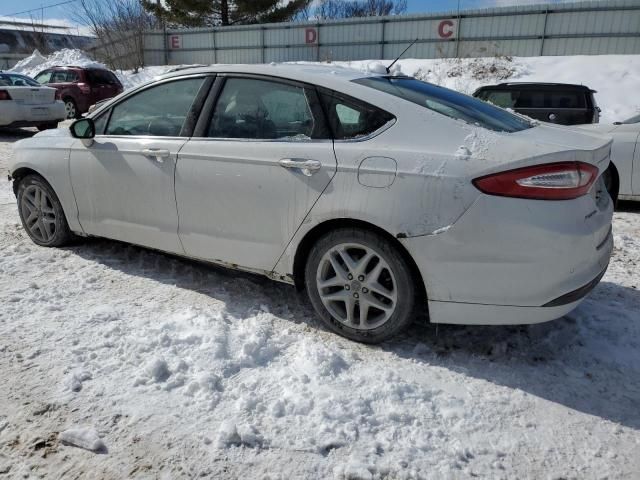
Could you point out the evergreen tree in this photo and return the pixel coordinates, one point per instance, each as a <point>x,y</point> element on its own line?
<point>201,13</point>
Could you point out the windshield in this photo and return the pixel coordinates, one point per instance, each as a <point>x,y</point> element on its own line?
<point>448,102</point>
<point>635,119</point>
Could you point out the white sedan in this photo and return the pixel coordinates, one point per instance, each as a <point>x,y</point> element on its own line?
<point>382,196</point>
<point>625,156</point>
<point>26,103</point>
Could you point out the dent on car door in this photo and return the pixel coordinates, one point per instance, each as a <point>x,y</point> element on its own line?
<point>123,181</point>
<point>261,159</point>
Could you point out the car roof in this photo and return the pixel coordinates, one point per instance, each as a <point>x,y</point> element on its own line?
<point>324,75</point>
<point>537,85</point>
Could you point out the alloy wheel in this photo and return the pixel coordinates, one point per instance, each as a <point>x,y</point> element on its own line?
<point>357,286</point>
<point>38,213</point>
<point>70,109</point>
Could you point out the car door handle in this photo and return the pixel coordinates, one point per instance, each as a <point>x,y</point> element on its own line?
<point>308,167</point>
<point>156,153</point>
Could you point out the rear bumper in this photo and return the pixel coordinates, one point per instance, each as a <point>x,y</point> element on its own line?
<point>514,261</point>
<point>19,115</point>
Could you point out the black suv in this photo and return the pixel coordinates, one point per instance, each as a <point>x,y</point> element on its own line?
<point>561,103</point>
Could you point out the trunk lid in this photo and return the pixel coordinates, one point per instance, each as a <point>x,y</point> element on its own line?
<point>32,95</point>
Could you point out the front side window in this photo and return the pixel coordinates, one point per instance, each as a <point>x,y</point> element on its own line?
<point>262,110</point>
<point>44,77</point>
<point>158,111</point>
<point>448,102</point>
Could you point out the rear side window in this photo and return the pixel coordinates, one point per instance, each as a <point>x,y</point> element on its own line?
<point>448,102</point>
<point>58,76</point>
<point>351,119</point>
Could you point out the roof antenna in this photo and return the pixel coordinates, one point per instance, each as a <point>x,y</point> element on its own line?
<point>399,56</point>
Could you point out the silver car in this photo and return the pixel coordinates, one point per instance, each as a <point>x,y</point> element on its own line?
<point>382,196</point>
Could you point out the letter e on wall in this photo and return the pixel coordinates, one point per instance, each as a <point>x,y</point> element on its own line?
<point>175,42</point>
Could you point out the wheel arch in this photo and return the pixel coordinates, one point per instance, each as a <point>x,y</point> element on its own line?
<point>309,239</point>
<point>22,172</point>
<point>19,173</point>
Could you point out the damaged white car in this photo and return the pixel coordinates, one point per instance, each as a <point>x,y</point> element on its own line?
<point>383,196</point>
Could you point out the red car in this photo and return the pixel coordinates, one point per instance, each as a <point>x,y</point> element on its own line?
<point>80,87</point>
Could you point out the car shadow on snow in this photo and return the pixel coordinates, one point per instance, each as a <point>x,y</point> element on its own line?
<point>11,135</point>
<point>587,360</point>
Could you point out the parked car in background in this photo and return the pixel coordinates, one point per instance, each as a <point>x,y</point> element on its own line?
<point>26,103</point>
<point>625,156</point>
<point>382,196</point>
<point>560,103</point>
<point>80,87</point>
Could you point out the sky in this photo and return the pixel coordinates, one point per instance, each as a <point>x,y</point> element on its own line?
<point>63,12</point>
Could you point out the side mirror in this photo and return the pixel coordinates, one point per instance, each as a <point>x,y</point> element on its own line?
<point>83,128</point>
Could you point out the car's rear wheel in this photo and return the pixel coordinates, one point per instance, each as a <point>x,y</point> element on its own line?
<point>41,213</point>
<point>70,108</point>
<point>48,126</point>
<point>360,285</point>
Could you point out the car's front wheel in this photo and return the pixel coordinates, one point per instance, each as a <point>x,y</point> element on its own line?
<point>41,212</point>
<point>360,285</point>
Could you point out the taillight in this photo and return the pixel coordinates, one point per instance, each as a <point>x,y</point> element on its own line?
<point>4,95</point>
<point>84,88</point>
<point>552,181</point>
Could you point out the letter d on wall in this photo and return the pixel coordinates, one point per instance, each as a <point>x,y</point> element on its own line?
<point>311,35</point>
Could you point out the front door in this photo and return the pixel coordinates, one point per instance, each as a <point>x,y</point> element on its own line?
<point>246,186</point>
<point>123,182</point>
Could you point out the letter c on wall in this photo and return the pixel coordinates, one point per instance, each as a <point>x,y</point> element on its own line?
<point>445,28</point>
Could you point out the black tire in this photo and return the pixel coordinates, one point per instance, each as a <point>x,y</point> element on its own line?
<point>48,126</point>
<point>403,281</point>
<point>71,108</point>
<point>51,217</point>
<point>612,182</point>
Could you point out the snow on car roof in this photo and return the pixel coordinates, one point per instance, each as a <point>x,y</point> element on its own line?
<point>326,75</point>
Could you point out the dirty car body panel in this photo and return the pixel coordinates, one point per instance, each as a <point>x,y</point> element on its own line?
<point>193,182</point>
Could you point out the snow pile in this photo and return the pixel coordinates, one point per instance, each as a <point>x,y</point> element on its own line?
<point>86,438</point>
<point>36,62</point>
<point>614,77</point>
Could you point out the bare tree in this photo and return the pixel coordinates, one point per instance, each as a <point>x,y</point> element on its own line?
<point>119,27</point>
<point>331,9</point>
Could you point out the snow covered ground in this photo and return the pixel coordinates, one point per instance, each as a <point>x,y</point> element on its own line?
<point>163,368</point>
<point>117,362</point>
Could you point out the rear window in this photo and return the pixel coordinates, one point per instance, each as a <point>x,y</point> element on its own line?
<point>13,80</point>
<point>102,77</point>
<point>448,102</point>
<point>535,98</point>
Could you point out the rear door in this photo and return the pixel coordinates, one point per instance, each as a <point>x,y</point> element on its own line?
<point>263,158</point>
